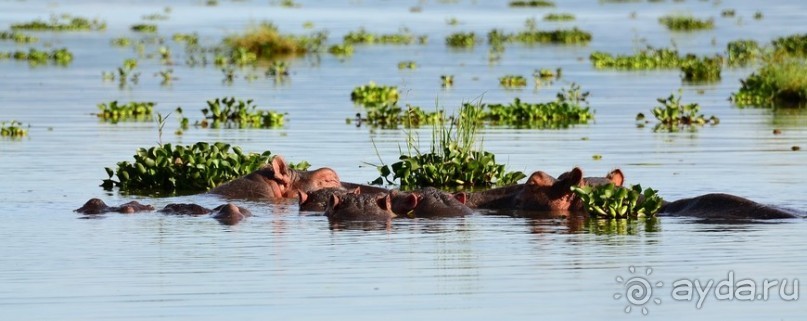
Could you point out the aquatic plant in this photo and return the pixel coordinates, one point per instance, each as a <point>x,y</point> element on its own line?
<point>230,112</point>
<point>513,81</point>
<point>266,42</point>
<point>461,40</point>
<point>452,162</point>
<point>758,15</point>
<point>741,52</point>
<point>135,110</point>
<point>790,46</point>
<point>374,95</point>
<point>447,80</point>
<point>278,69</point>
<point>13,129</point>
<point>560,36</point>
<point>705,69</point>
<point>616,202</point>
<point>686,23</point>
<point>344,49</point>
<point>390,116</point>
<point>408,64</point>
<point>37,57</point>
<point>189,39</point>
<point>728,13</point>
<point>125,73</point>
<point>777,83</point>
<point>120,42</point>
<point>144,27</point>
<point>63,23</point>
<point>672,115</point>
<point>17,37</point>
<point>169,169</point>
<point>569,108</point>
<point>559,17</point>
<point>531,3</point>
<point>649,58</point>
<point>362,36</point>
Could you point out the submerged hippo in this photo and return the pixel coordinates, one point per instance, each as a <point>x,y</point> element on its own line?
<point>276,181</point>
<point>429,202</point>
<point>542,192</point>
<point>359,207</point>
<point>723,207</point>
<point>97,206</point>
<point>316,201</point>
<point>227,214</point>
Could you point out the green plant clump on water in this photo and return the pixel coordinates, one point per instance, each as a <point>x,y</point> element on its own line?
<point>144,27</point>
<point>408,64</point>
<point>741,52</point>
<point>37,57</point>
<point>452,162</point>
<point>686,23</point>
<point>705,69</point>
<point>374,95</point>
<point>362,36</point>
<point>168,169</point>
<point>266,42</point>
<point>569,108</point>
<point>17,37</point>
<point>775,84</point>
<point>531,3</point>
<point>390,116</point>
<point>238,113</point>
<point>461,40</point>
<point>513,81</point>
<point>559,17</point>
<point>13,129</point>
<point>65,23</point>
<point>650,58</point>
<point>672,115</point>
<point>791,46</point>
<point>344,49</point>
<point>616,202</point>
<point>134,110</point>
<point>560,36</point>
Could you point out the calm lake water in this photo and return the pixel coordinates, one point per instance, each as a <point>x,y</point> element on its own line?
<point>283,264</point>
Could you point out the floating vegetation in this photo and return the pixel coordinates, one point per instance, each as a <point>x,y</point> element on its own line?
<point>189,39</point>
<point>343,49</point>
<point>409,64</point>
<point>793,45</point>
<point>452,162</point>
<point>461,40</point>
<point>278,69</point>
<point>513,81</point>
<point>264,41</point>
<point>13,129</point>
<point>775,84</point>
<point>741,52</point>
<point>447,80</point>
<point>230,112</point>
<point>115,112</point>
<point>569,108</point>
<point>36,57</point>
<point>532,36</point>
<point>168,169</point>
<point>532,3</point>
<point>121,42</point>
<point>362,36</point>
<point>374,95</point>
<point>63,23</point>
<point>672,115</point>
<point>686,23</point>
<point>728,13</point>
<point>544,74</point>
<point>615,202</point>
<point>705,69</point>
<point>17,37</point>
<point>155,16</point>
<point>390,116</point>
<point>125,73</point>
<point>559,17</point>
<point>144,27</point>
<point>758,15</point>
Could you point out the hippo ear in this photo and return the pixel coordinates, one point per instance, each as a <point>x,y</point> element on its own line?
<point>411,201</point>
<point>616,177</point>
<point>569,179</point>
<point>461,197</point>
<point>385,202</point>
<point>356,191</point>
<point>541,179</point>
<point>281,170</point>
<point>302,197</point>
<point>333,202</point>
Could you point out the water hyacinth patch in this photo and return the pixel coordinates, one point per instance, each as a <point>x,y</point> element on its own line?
<point>705,69</point>
<point>672,115</point>
<point>741,52</point>
<point>513,81</point>
<point>793,45</point>
<point>775,84</point>
<point>363,36</point>
<point>531,3</point>
<point>341,49</point>
<point>686,23</point>
<point>391,116</point>
<point>461,40</point>
<point>144,27</point>
<point>167,169</point>
<point>616,202</point>
<point>409,64</point>
<point>559,17</point>
<point>374,95</point>
<point>36,57</point>
<point>569,108</point>
<point>229,112</point>
<point>63,23</point>
<point>13,129</point>
<point>115,112</point>
<point>650,58</point>
<point>17,37</point>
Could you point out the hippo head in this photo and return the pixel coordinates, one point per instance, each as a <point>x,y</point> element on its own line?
<point>429,202</point>
<point>542,192</point>
<point>359,207</point>
<point>291,181</point>
<point>317,200</point>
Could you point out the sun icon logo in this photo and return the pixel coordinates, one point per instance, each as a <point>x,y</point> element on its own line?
<point>638,290</point>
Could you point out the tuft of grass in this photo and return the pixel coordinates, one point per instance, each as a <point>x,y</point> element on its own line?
<point>686,23</point>
<point>265,41</point>
<point>775,84</point>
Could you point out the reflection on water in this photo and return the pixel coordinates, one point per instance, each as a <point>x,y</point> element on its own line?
<point>282,264</point>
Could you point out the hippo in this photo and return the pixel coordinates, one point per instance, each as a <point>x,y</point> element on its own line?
<point>275,181</point>
<point>723,207</point>
<point>97,206</point>
<point>359,207</point>
<point>227,214</point>
<point>316,201</point>
<point>429,202</point>
<point>542,192</point>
